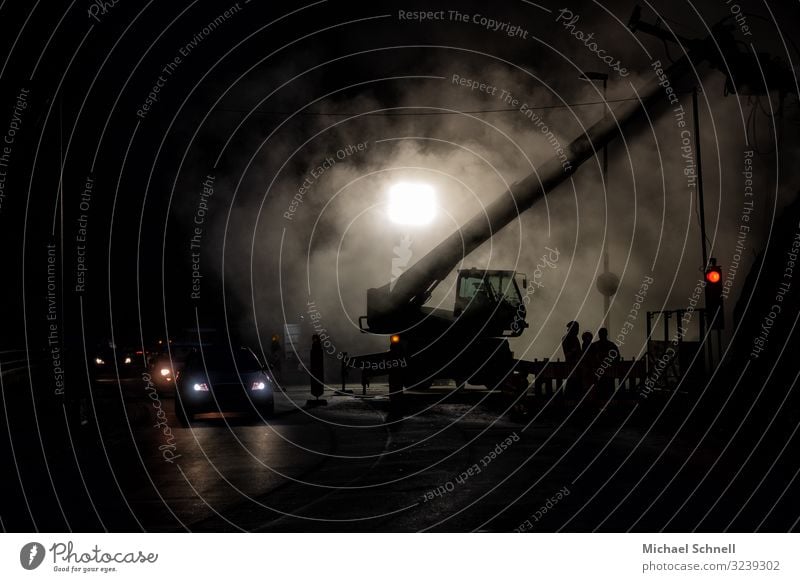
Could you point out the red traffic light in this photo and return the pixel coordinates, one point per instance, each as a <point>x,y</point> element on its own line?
<point>713,276</point>
<point>715,312</point>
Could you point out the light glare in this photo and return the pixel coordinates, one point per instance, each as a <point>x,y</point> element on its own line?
<point>412,204</point>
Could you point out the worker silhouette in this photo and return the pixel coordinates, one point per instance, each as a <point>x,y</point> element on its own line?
<point>364,381</point>
<point>588,360</point>
<point>572,355</point>
<point>586,341</point>
<point>345,371</point>
<point>317,367</point>
<point>605,351</point>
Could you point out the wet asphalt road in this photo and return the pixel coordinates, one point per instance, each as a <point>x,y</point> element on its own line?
<point>448,461</point>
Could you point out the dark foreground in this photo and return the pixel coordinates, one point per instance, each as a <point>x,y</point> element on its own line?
<point>452,461</point>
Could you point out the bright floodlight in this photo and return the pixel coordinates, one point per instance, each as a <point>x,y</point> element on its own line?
<point>412,204</point>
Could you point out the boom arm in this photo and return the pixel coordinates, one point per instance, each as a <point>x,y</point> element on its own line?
<point>415,285</point>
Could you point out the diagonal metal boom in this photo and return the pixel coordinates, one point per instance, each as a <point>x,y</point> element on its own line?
<point>415,285</point>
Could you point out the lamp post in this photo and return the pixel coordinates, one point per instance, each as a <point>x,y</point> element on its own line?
<point>607,283</point>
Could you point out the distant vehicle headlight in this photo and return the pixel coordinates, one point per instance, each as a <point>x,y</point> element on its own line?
<point>99,361</point>
<point>202,387</point>
<point>258,385</point>
<point>127,360</point>
<point>165,371</point>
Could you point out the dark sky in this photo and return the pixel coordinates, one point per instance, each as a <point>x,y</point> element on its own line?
<point>224,109</point>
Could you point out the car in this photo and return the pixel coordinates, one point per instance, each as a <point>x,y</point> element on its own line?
<point>166,362</point>
<point>129,361</point>
<point>224,379</point>
<point>169,355</point>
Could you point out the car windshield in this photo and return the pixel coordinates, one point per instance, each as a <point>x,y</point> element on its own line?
<point>222,359</point>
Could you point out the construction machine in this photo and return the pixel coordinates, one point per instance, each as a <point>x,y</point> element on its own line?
<point>470,343</point>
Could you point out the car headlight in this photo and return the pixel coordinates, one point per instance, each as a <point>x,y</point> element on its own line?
<point>164,371</point>
<point>127,360</point>
<point>99,361</point>
<point>258,385</point>
<point>202,387</point>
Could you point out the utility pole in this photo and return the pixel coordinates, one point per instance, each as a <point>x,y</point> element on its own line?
<point>700,199</point>
<point>703,238</point>
<point>606,288</point>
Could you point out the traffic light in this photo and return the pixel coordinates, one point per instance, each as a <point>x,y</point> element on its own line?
<point>714,308</point>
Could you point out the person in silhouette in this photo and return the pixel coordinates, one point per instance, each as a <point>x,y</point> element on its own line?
<point>605,351</point>
<point>364,381</point>
<point>317,367</point>
<point>588,360</point>
<point>586,341</point>
<point>571,346</point>
<point>570,343</point>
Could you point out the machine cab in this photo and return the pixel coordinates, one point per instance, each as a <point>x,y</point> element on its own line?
<point>492,298</point>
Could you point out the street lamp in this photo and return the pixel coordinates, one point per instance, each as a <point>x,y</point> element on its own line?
<point>412,204</point>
